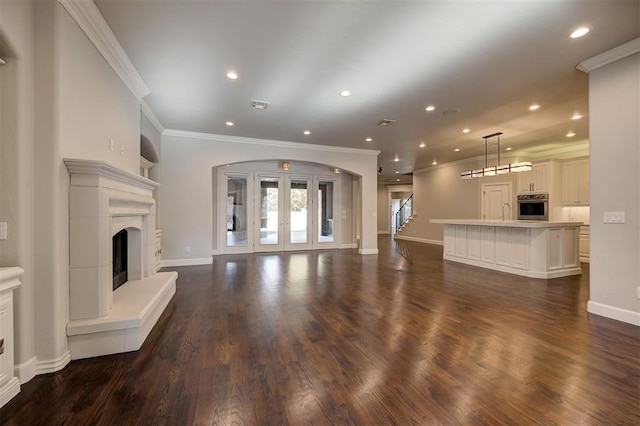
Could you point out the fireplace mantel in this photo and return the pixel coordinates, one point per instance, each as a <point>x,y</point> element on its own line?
<point>101,173</point>
<point>103,200</point>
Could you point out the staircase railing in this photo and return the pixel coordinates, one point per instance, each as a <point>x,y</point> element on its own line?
<point>404,213</point>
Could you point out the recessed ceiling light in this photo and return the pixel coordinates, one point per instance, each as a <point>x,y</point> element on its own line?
<point>534,107</point>
<point>430,108</point>
<point>508,149</point>
<point>368,140</point>
<point>397,172</point>
<point>579,32</point>
<point>232,75</point>
<point>396,159</point>
<point>466,130</point>
<point>397,180</point>
<point>570,134</point>
<point>457,150</point>
<point>435,163</point>
<point>307,132</point>
<point>345,93</point>
<point>576,116</point>
<point>422,145</point>
<point>229,123</point>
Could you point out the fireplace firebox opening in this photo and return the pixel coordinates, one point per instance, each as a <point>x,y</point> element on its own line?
<point>120,256</point>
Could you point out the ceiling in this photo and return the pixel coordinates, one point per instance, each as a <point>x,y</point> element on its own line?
<point>482,62</point>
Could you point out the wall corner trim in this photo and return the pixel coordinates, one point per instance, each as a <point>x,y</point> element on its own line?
<point>88,17</point>
<point>605,58</point>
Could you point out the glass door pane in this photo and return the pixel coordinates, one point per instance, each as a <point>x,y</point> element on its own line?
<point>325,211</point>
<point>237,212</point>
<point>298,212</point>
<point>269,211</point>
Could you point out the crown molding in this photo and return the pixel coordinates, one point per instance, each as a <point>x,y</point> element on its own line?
<point>577,149</point>
<point>605,58</point>
<point>148,112</point>
<point>91,21</point>
<point>268,142</point>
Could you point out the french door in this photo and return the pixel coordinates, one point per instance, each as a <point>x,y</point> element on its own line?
<point>280,212</point>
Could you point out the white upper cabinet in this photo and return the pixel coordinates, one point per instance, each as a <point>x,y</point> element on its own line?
<point>538,179</point>
<point>575,182</point>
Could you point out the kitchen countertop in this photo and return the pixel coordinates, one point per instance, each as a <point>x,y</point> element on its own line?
<point>507,223</point>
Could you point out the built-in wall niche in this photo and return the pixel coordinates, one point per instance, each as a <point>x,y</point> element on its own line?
<point>145,166</point>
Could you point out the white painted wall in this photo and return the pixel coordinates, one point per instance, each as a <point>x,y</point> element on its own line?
<point>614,128</point>
<point>383,209</point>
<point>63,100</point>
<point>186,184</point>
<point>17,140</point>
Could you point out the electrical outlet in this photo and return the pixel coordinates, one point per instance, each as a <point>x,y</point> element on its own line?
<point>614,217</point>
<point>187,249</point>
<point>3,230</point>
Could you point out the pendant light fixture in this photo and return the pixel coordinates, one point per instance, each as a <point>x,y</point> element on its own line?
<point>499,169</point>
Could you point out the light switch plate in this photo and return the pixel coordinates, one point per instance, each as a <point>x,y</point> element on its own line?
<point>614,217</point>
<point>3,230</point>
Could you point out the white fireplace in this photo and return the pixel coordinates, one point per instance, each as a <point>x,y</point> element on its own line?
<point>103,200</point>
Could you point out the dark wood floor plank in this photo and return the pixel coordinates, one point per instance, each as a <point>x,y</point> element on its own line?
<point>332,337</point>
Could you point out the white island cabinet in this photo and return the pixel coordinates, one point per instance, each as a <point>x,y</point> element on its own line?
<point>535,249</point>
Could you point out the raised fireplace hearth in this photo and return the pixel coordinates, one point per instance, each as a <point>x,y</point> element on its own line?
<point>106,318</point>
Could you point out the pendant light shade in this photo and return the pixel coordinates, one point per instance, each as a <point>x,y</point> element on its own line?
<point>499,169</point>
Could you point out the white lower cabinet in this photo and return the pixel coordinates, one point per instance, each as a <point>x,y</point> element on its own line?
<point>474,239</point>
<point>512,247</point>
<point>461,241</point>
<point>487,249</point>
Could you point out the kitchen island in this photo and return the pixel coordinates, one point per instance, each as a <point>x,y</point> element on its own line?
<point>536,249</point>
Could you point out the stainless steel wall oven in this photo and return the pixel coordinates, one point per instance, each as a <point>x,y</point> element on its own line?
<point>533,207</point>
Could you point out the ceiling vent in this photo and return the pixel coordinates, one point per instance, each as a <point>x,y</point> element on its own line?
<point>259,104</point>
<point>386,122</point>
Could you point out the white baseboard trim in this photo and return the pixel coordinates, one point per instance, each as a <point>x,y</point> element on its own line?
<point>368,251</point>
<point>612,312</point>
<point>419,240</point>
<point>9,390</point>
<point>349,246</point>
<point>26,371</point>
<point>187,262</point>
<point>53,365</point>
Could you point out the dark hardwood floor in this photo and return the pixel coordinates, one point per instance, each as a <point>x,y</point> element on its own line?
<point>331,337</point>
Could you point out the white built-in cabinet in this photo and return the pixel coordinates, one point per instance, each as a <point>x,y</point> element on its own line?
<point>538,179</point>
<point>575,182</point>
<point>9,384</point>
<point>158,252</point>
<point>584,251</point>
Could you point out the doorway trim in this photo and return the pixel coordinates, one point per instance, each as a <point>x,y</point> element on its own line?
<point>485,186</point>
